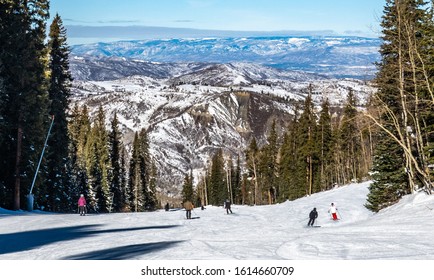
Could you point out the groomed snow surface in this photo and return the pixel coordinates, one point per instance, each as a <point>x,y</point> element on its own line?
<point>273,232</point>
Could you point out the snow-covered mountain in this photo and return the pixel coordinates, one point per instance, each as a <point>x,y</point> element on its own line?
<point>332,56</point>
<point>192,109</point>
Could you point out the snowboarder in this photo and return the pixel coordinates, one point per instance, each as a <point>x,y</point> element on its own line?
<point>228,206</point>
<point>82,205</point>
<point>188,207</point>
<point>312,216</point>
<point>166,207</point>
<point>333,211</point>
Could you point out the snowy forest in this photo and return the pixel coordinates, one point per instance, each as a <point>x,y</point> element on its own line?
<point>390,140</point>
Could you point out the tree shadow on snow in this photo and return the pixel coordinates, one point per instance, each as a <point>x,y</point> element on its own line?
<point>123,252</point>
<point>28,240</point>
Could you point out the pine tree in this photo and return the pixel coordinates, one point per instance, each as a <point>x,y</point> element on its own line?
<point>349,138</point>
<point>217,180</point>
<point>117,188</point>
<point>268,165</point>
<point>325,142</point>
<point>235,175</point>
<point>153,179</point>
<point>78,128</point>
<point>141,196</point>
<point>187,188</point>
<point>145,169</point>
<point>57,180</point>
<point>308,153</point>
<point>98,164</point>
<point>24,95</point>
<point>289,171</point>
<point>135,199</point>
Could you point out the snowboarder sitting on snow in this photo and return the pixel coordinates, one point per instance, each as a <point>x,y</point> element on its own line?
<point>228,206</point>
<point>82,205</point>
<point>333,211</point>
<point>188,207</point>
<point>312,216</point>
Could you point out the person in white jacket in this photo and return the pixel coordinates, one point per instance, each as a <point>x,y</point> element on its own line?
<point>333,211</point>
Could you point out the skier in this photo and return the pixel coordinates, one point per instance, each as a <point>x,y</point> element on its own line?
<point>228,206</point>
<point>166,207</point>
<point>82,205</point>
<point>188,207</point>
<point>312,216</point>
<point>333,211</point>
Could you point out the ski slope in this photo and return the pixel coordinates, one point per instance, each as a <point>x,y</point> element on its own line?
<point>273,232</point>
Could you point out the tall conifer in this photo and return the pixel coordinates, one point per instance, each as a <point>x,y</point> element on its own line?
<point>57,166</point>
<point>24,95</point>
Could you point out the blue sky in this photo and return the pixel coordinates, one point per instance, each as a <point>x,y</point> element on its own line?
<point>341,16</point>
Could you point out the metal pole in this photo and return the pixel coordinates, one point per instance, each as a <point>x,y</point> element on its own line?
<point>42,155</point>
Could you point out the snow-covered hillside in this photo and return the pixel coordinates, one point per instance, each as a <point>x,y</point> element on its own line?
<point>191,115</point>
<point>331,56</point>
<point>272,232</point>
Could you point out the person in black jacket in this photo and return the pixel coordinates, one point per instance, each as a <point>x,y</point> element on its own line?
<point>312,216</point>
<point>227,205</point>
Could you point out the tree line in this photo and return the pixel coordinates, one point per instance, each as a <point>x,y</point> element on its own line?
<point>81,156</point>
<point>317,151</point>
<point>391,141</point>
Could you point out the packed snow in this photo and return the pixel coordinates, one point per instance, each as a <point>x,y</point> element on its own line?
<point>271,232</point>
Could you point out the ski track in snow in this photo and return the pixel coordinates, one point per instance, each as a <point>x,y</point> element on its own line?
<point>402,231</point>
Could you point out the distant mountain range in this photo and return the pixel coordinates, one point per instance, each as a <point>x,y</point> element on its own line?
<point>331,56</point>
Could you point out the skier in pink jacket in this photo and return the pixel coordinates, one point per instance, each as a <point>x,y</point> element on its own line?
<point>82,205</point>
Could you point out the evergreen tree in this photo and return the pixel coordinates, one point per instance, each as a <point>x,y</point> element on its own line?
<point>152,202</point>
<point>135,198</point>
<point>349,138</point>
<point>141,195</point>
<point>57,180</point>
<point>78,128</point>
<point>235,174</point>
<point>24,95</point>
<point>117,188</point>
<point>268,165</point>
<point>325,142</point>
<point>217,180</point>
<point>289,171</point>
<point>389,184</point>
<point>98,164</point>
<point>123,174</point>
<point>187,188</point>
<point>307,162</point>
<point>145,169</point>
